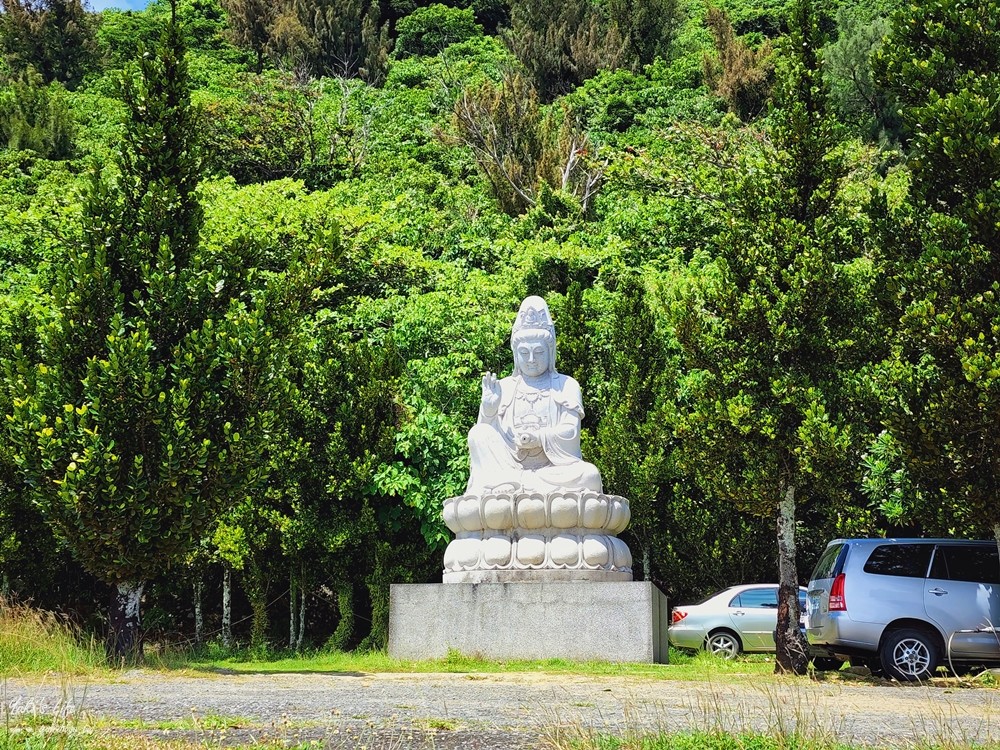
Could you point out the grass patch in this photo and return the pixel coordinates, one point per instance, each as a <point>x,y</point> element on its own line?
<point>33,641</point>
<point>682,666</point>
<point>442,725</point>
<point>709,740</point>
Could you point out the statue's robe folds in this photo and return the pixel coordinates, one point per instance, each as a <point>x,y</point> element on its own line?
<point>495,458</point>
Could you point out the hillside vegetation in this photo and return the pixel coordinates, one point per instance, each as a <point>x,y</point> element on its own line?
<point>257,257</point>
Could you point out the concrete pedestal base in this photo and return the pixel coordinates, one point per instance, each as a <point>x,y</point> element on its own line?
<point>580,621</point>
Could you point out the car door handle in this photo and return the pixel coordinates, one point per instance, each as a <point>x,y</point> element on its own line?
<point>739,612</point>
<point>937,592</point>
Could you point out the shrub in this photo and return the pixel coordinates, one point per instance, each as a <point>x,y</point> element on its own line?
<point>36,118</point>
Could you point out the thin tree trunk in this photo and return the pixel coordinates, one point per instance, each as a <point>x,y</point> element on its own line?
<point>302,614</point>
<point>227,607</point>
<point>645,562</point>
<point>199,620</point>
<point>125,638</point>
<point>791,650</point>
<point>293,595</point>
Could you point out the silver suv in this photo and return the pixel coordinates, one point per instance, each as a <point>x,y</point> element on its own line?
<point>905,606</point>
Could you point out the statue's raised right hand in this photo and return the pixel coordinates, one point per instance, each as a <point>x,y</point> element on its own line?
<point>491,395</point>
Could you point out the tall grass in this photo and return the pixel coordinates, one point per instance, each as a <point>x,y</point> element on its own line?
<point>34,641</point>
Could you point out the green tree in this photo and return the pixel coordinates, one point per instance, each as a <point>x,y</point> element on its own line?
<point>143,414</point>
<point>649,26</point>
<point>741,75</point>
<point>772,329</point>
<point>344,418</point>
<point>942,380</point>
<point>31,558</point>
<point>634,438</point>
<point>54,37</point>
<point>853,93</point>
<point>250,25</point>
<point>334,26</point>
<point>563,43</point>
<point>427,31</point>
<point>330,38</point>
<point>524,151</point>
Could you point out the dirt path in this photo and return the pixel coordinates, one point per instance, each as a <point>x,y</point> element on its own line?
<point>502,710</point>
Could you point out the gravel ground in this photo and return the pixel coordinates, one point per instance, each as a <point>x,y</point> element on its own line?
<point>493,711</point>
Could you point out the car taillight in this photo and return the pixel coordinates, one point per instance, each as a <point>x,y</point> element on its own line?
<point>677,615</point>
<point>837,601</point>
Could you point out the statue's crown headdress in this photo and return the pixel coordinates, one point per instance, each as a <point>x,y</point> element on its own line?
<point>534,316</point>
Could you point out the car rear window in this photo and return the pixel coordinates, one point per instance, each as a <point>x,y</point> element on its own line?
<point>978,564</point>
<point>712,596</point>
<point>907,560</point>
<point>827,562</point>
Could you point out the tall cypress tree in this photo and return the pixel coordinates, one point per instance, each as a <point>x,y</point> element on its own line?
<point>137,422</point>
<point>773,330</point>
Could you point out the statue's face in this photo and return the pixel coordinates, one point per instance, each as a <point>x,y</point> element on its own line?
<point>532,357</point>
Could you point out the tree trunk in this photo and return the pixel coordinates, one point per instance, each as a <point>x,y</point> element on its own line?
<point>125,638</point>
<point>199,619</point>
<point>227,607</point>
<point>293,595</point>
<point>645,562</point>
<point>302,615</point>
<point>792,653</point>
<point>302,608</point>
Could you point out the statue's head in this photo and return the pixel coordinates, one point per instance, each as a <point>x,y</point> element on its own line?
<point>533,339</point>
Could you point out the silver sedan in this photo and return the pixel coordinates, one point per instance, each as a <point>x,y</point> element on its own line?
<point>735,620</point>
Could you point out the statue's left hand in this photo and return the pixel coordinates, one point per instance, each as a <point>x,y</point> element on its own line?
<point>529,440</point>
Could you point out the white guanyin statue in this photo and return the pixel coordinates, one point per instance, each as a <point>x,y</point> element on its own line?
<point>533,508</point>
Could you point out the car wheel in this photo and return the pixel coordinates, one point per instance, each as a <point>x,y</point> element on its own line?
<point>724,643</point>
<point>827,663</point>
<point>909,655</point>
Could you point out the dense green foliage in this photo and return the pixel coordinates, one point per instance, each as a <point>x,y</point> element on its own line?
<point>943,67</point>
<point>254,269</point>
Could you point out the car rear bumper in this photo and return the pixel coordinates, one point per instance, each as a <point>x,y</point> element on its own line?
<point>682,637</point>
<point>836,634</point>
